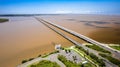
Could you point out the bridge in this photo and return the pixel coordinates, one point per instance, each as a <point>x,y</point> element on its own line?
<point>78,44</point>
<point>116,53</point>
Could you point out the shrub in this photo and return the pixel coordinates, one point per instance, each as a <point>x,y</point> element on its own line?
<point>24,61</point>
<point>80,48</point>
<point>99,61</point>
<point>33,66</point>
<point>111,59</point>
<point>45,63</point>
<point>30,59</point>
<point>3,20</point>
<point>39,55</point>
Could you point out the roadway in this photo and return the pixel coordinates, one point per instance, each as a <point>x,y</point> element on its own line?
<point>115,53</point>
<point>78,44</point>
<point>52,57</point>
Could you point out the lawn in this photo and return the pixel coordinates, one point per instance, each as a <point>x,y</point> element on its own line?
<point>116,47</point>
<point>111,59</point>
<point>88,65</point>
<point>45,63</point>
<point>3,20</point>
<point>97,48</point>
<point>72,64</point>
<point>67,62</point>
<point>91,56</point>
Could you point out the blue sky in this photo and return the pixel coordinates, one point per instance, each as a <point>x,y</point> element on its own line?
<point>59,6</point>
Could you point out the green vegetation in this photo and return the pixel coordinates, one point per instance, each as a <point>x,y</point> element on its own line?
<point>67,62</point>
<point>43,56</point>
<point>27,60</point>
<point>111,59</point>
<point>97,48</point>
<point>39,55</point>
<point>3,20</point>
<point>45,63</point>
<point>72,64</point>
<point>87,65</point>
<point>96,59</point>
<point>116,47</point>
<point>24,61</point>
<point>91,56</point>
<point>30,59</point>
<point>80,48</point>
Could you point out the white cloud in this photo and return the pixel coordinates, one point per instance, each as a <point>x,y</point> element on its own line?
<point>63,11</point>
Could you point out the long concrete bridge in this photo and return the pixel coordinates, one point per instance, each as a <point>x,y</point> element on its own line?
<point>108,64</point>
<point>113,51</point>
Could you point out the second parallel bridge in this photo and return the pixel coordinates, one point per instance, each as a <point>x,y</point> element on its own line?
<point>113,51</point>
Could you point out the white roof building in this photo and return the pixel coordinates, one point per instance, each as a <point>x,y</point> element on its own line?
<point>58,46</point>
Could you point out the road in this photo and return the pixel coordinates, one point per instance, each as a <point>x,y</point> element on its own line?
<point>115,53</point>
<point>52,58</point>
<point>76,43</point>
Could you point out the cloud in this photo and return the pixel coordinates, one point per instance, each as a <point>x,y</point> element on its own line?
<point>63,11</point>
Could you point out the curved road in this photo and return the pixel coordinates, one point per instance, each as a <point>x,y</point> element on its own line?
<point>52,58</point>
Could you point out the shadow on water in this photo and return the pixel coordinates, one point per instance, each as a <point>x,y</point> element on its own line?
<point>96,23</point>
<point>71,19</point>
<point>89,24</point>
<point>92,23</point>
<point>116,22</point>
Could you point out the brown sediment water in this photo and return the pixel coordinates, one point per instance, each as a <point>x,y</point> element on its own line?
<point>25,37</point>
<point>102,28</point>
<point>107,35</point>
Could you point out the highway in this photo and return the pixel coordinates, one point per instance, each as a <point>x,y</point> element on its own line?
<point>115,53</point>
<point>78,44</point>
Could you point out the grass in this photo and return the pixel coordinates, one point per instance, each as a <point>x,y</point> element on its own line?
<point>116,47</point>
<point>97,48</point>
<point>111,59</point>
<point>45,63</point>
<point>72,64</point>
<point>45,55</point>
<point>96,59</point>
<point>90,56</point>
<point>3,20</point>
<point>91,61</point>
<point>88,65</point>
<point>67,62</point>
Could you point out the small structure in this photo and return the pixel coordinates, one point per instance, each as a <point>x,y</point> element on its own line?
<point>58,46</point>
<point>84,62</point>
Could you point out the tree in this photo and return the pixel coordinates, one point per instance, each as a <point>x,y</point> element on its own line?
<point>66,51</point>
<point>39,55</point>
<point>24,61</point>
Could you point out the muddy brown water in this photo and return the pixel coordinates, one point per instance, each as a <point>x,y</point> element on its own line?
<point>102,28</point>
<point>25,37</point>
